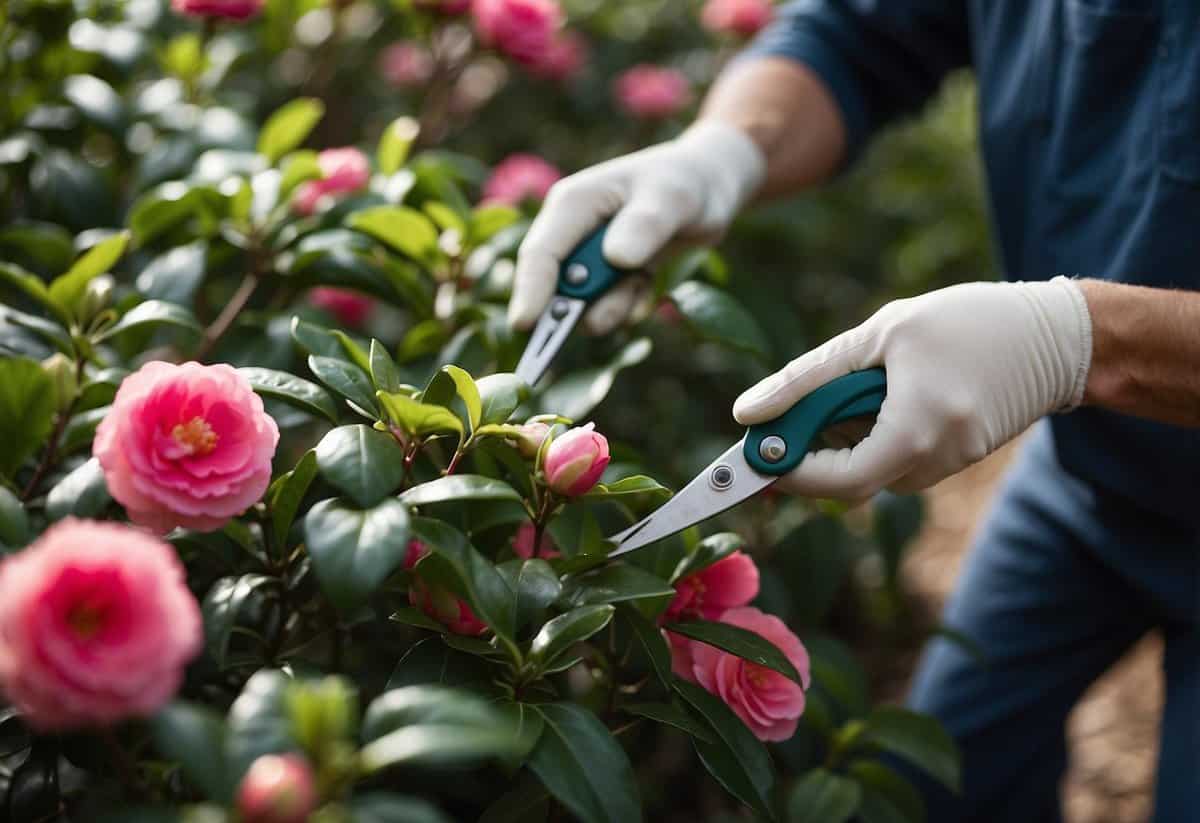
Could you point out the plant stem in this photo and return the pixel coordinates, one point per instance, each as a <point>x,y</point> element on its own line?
<point>225,319</point>
<point>48,456</point>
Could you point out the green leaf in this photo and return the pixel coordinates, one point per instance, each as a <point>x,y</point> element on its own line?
<point>433,725</point>
<point>887,791</point>
<point>403,229</point>
<point>298,167</point>
<point>289,126</point>
<point>194,737</point>
<point>81,430</point>
<point>687,266</point>
<point>295,391</point>
<point>712,314</point>
<point>418,418</point>
<point>671,715</point>
<point>258,721</point>
<point>536,585</point>
<point>486,221</point>
<point>475,577</point>
<point>393,148</point>
<point>459,487</point>
<point>175,274</point>
<point>409,616</point>
<point>287,493</point>
<point>316,340</point>
<point>651,641</point>
<point>638,490</point>
<point>896,520</point>
<point>32,287</point>
<point>445,217</point>
<point>615,583</point>
<point>66,289</point>
<point>707,551</point>
<point>564,631</point>
<point>582,765</point>
<point>149,314</point>
<point>346,379</point>
<point>14,521</point>
<point>26,411</point>
<point>575,532</point>
<point>358,356</point>
<point>918,738</point>
<point>526,802</point>
<point>500,395</point>
<point>453,388</point>
<point>432,661</point>
<point>737,759</point>
<point>737,641</point>
<point>364,463</point>
<point>823,797</point>
<point>384,373</point>
<point>82,493</point>
<point>468,392</point>
<point>228,601</point>
<point>576,394</point>
<point>354,551</point>
<point>383,807</point>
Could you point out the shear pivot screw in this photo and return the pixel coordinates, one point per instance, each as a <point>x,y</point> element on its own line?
<point>772,449</point>
<point>559,309</point>
<point>721,478</point>
<point>577,274</point>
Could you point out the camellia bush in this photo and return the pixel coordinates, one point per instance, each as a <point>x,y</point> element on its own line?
<point>286,540</point>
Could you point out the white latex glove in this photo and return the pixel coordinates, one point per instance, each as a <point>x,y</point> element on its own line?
<point>687,189</point>
<point>968,368</point>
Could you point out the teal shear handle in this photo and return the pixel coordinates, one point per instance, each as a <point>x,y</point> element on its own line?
<point>777,446</point>
<point>585,274</point>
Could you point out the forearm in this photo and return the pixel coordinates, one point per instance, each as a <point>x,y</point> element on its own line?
<point>1145,351</point>
<point>789,113</point>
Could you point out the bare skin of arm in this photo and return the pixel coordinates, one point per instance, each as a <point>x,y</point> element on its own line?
<point>1145,351</point>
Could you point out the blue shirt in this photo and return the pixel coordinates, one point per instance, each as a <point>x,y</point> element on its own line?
<point>1089,125</point>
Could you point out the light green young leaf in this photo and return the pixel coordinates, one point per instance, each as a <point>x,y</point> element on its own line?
<point>289,126</point>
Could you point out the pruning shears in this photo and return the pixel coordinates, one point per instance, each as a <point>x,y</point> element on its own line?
<point>767,452</point>
<point>585,276</point>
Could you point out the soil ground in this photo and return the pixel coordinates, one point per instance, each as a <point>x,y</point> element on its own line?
<point>1113,732</point>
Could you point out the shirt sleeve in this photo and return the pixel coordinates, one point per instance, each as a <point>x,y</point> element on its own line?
<point>879,58</point>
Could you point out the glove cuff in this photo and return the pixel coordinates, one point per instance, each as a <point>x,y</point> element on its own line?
<point>1076,342</point>
<point>737,162</point>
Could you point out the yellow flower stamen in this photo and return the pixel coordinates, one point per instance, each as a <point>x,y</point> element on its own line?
<point>196,436</point>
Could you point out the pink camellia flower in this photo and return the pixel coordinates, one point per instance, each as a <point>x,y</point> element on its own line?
<point>766,701</point>
<point>529,440</point>
<point>342,171</point>
<point>727,584</point>
<point>520,177</point>
<point>349,307</point>
<point>522,29</point>
<point>186,445</point>
<point>406,65</point>
<point>575,461</point>
<point>227,9</point>
<point>450,8</point>
<point>96,625</point>
<point>439,603</point>
<point>564,58</point>
<point>277,788</point>
<point>653,92</point>
<point>523,544</point>
<point>740,17</point>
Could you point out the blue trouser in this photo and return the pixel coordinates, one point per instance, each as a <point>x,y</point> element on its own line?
<point>1061,581</point>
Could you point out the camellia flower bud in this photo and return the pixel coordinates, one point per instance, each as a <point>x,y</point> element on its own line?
<point>277,788</point>
<point>518,178</point>
<point>575,461</point>
<point>530,439</point>
<point>226,9</point>
<point>62,371</point>
<point>96,297</point>
<point>652,92</point>
<point>740,17</point>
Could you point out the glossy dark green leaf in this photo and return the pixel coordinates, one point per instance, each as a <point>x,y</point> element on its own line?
<point>384,373</point>
<point>346,379</point>
<point>289,126</point>
<point>459,487</point>
<point>285,495</point>
<point>823,797</point>
<point>671,715</point>
<point>225,605</point>
<point>615,583</point>
<point>687,266</point>
<point>651,640</point>
<point>737,641</point>
<point>26,411</point>
<point>295,391</point>
<point>884,792</point>
<point>409,616</point>
<point>576,532</point>
<point>194,737</point>
<point>432,661</point>
<point>32,790</point>
<point>712,314</point>
<point>316,340</point>
<point>14,522</point>
<point>150,314</point>
<point>637,490</point>
<point>583,766</point>
<point>258,721</point>
<point>81,430</point>
<point>563,632</point>
<point>412,705</point>
<point>536,585</point>
<point>175,274</point>
<point>383,807</point>
<point>736,758</point>
<point>918,738</point>
<point>500,395</point>
<point>575,395</point>
<point>706,552</point>
<point>353,551</point>
<point>82,493</point>
<point>32,287</point>
<point>366,464</point>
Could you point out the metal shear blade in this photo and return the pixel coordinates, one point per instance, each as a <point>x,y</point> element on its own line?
<point>552,330</point>
<point>727,481</point>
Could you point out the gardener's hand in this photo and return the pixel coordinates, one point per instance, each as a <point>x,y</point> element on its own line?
<point>688,189</point>
<point>968,368</point>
